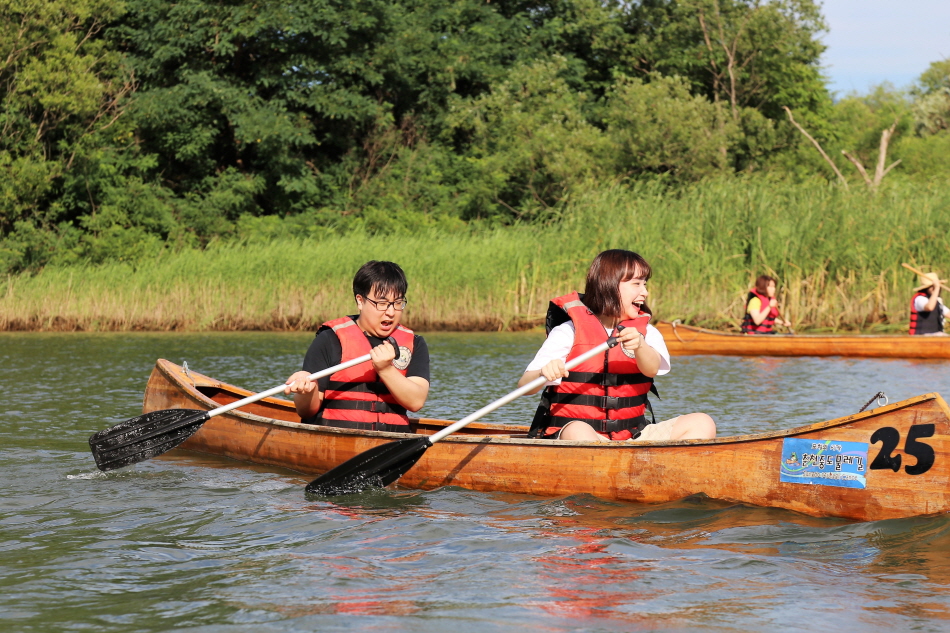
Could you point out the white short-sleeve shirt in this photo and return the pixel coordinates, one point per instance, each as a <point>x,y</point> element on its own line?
<point>561,340</point>
<point>921,302</point>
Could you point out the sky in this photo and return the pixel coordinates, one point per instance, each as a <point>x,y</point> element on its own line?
<point>872,41</point>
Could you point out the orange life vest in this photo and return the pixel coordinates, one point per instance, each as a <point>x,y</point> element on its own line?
<point>356,398</point>
<point>768,323</point>
<point>607,392</point>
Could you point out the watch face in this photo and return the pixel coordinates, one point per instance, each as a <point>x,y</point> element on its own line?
<point>404,357</point>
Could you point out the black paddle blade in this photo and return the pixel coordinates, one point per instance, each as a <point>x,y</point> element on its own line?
<point>144,437</point>
<point>376,468</point>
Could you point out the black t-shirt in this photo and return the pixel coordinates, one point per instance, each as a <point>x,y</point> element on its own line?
<point>326,351</point>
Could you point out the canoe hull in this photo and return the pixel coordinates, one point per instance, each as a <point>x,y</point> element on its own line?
<point>488,458</point>
<point>684,340</point>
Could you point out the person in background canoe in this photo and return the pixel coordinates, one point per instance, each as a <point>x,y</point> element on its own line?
<point>927,309</point>
<point>761,309</point>
<point>605,398</point>
<point>376,395</point>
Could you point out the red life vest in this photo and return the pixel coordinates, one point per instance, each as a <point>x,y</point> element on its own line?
<point>768,323</point>
<point>609,393</point>
<point>356,398</point>
<point>925,322</point>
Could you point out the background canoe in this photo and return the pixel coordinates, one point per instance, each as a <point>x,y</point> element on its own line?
<point>493,456</point>
<point>685,339</point>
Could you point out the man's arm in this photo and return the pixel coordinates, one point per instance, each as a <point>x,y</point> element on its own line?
<point>324,352</point>
<point>409,391</point>
<point>307,396</point>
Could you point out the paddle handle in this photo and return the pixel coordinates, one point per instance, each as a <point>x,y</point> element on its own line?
<point>520,391</point>
<point>913,270</point>
<point>314,376</point>
<point>280,388</point>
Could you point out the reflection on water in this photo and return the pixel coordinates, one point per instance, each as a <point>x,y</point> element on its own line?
<point>191,541</point>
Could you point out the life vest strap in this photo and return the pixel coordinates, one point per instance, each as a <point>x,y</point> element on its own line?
<point>607,380</point>
<point>365,426</point>
<point>601,402</point>
<point>373,406</point>
<point>378,388</point>
<point>605,426</point>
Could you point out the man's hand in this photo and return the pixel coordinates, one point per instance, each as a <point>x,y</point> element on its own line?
<point>299,382</point>
<point>383,356</point>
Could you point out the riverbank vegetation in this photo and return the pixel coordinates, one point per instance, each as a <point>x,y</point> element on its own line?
<point>837,253</point>
<point>200,165</point>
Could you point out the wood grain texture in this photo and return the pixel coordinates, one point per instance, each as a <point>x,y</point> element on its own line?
<point>685,339</point>
<point>488,457</point>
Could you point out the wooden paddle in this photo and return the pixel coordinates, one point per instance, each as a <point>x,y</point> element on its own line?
<point>156,432</point>
<point>789,327</point>
<point>913,270</point>
<point>380,466</point>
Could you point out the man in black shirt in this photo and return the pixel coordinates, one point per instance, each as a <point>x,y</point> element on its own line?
<point>373,395</point>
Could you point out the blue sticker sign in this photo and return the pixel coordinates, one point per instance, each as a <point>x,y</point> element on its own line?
<point>824,462</point>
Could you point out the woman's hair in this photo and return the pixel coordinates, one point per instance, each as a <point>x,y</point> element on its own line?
<point>383,277</point>
<point>762,284</point>
<point>602,291</point>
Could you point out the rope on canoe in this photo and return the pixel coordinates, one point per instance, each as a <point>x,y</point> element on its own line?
<point>879,396</point>
<point>676,322</point>
<point>184,365</point>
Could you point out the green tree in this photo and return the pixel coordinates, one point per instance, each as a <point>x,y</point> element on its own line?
<point>63,95</point>
<point>531,140</point>
<point>659,127</point>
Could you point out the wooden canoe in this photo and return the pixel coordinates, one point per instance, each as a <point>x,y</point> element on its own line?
<point>910,438</point>
<point>686,339</point>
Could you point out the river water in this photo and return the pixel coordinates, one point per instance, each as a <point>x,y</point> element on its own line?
<point>191,542</point>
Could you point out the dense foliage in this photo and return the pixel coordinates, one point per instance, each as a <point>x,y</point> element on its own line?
<point>134,127</point>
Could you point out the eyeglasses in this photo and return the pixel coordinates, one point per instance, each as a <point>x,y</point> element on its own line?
<point>398,305</point>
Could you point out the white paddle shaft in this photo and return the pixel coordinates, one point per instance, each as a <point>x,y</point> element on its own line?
<point>279,388</point>
<point>520,391</point>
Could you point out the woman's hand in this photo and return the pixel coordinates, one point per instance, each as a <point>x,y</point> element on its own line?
<point>635,346</point>
<point>630,339</point>
<point>554,370</point>
<point>299,382</point>
<point>773,303</point>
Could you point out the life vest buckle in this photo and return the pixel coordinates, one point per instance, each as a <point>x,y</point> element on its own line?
<point>610,402</point>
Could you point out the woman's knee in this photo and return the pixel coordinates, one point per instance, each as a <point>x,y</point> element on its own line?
<point>579,432</point>
<point>695,426</point>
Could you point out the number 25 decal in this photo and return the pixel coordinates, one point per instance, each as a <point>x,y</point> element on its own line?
<point>890,437</point>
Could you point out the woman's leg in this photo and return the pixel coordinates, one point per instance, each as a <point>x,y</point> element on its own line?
<point>580,432</point>
<point>693,426</point>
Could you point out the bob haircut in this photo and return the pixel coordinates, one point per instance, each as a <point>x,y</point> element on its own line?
<point>602,290</point>
<point>762,284</point>
<point>383,277</point>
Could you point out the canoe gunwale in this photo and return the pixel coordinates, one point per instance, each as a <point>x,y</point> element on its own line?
<point>788,335</point>
<point>190,387</point>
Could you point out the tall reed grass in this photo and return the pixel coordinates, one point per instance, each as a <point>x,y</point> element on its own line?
<point>837,255</point>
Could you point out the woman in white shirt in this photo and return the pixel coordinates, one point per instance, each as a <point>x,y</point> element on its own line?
<point>605,398</point>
